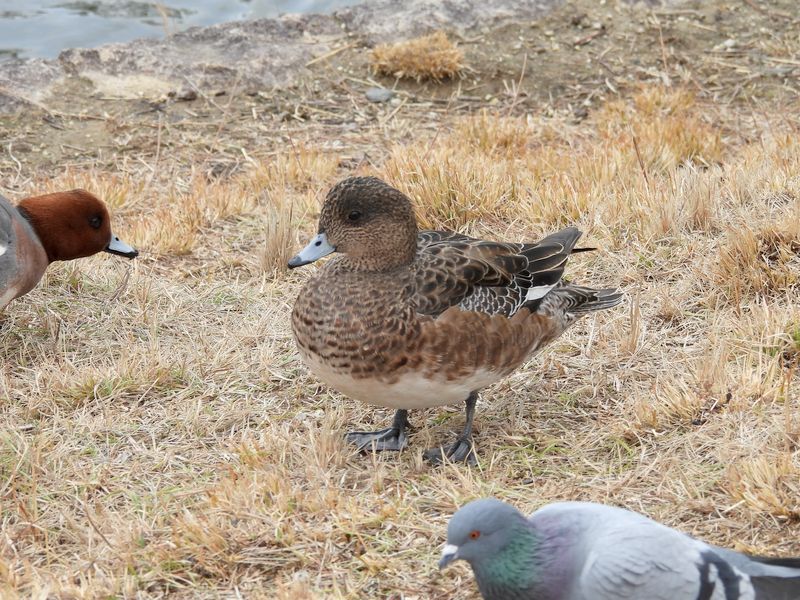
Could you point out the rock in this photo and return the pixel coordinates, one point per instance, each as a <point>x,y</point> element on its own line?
<point>379,94</point>
<point>186,94</point>
<point>381,21</point>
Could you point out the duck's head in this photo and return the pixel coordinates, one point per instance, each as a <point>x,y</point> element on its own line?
<point>72,225</point>
<point>368,221</point>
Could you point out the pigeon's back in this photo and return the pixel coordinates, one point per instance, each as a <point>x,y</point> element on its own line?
<point>619,554</point>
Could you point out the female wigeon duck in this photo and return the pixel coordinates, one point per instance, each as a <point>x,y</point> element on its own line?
<point>413,319</point>
<point>43,229</point>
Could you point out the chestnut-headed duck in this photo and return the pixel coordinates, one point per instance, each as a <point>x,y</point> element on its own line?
<point>43,229</point>
<point>410,319</point>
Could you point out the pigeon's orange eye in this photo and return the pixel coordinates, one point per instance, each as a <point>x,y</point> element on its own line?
<point>474,535</point>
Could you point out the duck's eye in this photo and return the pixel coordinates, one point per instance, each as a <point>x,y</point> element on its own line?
<point>95,222</point>
<point>354,216</point>
<point>474,535</point>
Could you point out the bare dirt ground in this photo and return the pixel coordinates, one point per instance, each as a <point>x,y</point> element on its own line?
<point>160,436</point>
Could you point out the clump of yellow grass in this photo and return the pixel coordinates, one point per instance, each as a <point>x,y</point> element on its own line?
<point>431,56</point>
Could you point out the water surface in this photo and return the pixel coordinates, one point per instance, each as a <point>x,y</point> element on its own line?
<point>45,27</point>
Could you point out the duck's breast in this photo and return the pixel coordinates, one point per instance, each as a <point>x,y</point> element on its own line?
<point>22,258</point>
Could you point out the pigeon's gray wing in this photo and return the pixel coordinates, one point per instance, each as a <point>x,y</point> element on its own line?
<point>635,564</point>
<point>6,224</point>
<point>624,555</point>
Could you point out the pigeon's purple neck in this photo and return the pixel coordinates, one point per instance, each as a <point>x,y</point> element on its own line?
<point>526,568</point>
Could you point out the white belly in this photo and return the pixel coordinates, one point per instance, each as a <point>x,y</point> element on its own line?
<point>410,391</point>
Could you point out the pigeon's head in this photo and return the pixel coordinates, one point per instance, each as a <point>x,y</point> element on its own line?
<point>367,220</point>
<point>479,530</point>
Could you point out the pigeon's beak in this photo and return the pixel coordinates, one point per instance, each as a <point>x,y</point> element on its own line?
<point>316,249</point>
<point>120,248</point>
<point>449,554</point>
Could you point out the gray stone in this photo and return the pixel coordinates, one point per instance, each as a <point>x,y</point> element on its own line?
<point>383,21</point>
<point>185,94</point>
<point>379,94</point>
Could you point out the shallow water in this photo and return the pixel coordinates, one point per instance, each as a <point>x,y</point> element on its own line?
<point>45,27</point>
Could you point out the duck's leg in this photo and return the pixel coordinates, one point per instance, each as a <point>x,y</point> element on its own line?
<point>462,450</point>
<point>393,438</point>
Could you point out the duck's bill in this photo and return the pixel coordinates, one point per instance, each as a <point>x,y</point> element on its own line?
<point>120,248</point>
<point>316,249</point>
<point>449,554</point>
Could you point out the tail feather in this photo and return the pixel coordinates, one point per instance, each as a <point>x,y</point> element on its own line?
<point>560,243</point>
<point>776,588</point>
<point>547,259</point>
<point>791,562</point>
<point>566,238</point>
<point>542,280</point>
<point>578,300</point>
<point>604,298</point>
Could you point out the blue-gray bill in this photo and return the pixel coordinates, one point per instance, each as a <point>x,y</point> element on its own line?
<point>120,248</point>
<point>316,249</point>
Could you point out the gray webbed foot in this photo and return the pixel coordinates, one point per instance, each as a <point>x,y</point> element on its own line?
<point>378,441</point>
<point>392,438</point>
<point>461,451</point>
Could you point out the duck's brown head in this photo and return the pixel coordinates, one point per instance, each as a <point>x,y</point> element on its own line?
<point>368,221</point>
<point>73,224</point>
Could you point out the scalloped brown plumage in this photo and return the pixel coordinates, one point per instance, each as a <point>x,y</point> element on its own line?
<point>408,319</point>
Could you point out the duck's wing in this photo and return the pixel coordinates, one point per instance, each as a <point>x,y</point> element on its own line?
<point>487,277</point>
<point>430,238</point>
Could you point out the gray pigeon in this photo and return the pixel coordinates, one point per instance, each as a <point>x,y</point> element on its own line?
<point>587,551</point>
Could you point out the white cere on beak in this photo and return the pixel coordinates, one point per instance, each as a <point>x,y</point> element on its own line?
<point>449,553</point>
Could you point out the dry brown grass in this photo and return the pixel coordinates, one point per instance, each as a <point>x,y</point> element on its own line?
<point>768,484</point>
<point>431,56</point>
<point>162,437</point>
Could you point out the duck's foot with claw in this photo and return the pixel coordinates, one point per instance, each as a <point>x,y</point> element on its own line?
<point>394,438</point>
<point>378,441</point>
<point>461,451</point>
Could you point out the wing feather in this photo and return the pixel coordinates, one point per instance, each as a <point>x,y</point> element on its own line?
<point>488,277</point>
<point>6,224</point>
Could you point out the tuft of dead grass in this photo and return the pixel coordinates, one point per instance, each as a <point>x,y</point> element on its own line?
<point>762,260</point>
<point>431,56</point>
<point>664,128</point>
<point>767,484</point>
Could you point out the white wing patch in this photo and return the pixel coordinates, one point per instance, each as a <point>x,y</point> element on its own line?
<point>536,292</point>
<point>3,249</point>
